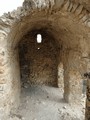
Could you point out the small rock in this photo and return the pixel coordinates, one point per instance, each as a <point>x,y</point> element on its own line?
<point>34,119</point>
<point>64,107</point>
<point>23,118</point>
<point>47,96</point>
<point>43,103</point>
<point>60,112</point>
<point>25,86</point>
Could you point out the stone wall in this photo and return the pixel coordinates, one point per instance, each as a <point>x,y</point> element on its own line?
<point>67,22</point>
<point>39,61</point>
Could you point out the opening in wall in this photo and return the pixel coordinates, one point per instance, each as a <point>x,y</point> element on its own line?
<point>39,38</point>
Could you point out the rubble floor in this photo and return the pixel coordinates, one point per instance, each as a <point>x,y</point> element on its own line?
<point>46,103</point>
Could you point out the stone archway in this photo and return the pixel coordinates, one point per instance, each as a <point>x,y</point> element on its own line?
<point>71,36</point>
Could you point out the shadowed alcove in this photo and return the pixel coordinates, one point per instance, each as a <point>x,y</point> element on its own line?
<point>39,60</point>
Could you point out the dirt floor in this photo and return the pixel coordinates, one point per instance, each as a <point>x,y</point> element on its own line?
<point>46,103</point>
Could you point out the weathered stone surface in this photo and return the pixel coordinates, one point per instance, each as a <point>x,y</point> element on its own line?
<point>61,76</point>
<point>39,62</point>
<point>68,24</point>
<point>85,3</point>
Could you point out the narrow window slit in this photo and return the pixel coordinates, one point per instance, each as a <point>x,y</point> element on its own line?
<point>39,38</point>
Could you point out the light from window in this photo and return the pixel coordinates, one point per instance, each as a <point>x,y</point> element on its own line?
<point>39,38</point>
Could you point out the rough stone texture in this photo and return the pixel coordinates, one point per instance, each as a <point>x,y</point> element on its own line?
<point>72,76</point>
<point>88,101</point>
<point>67,22</point>
<point>85,3</point>
<point>39,61</point>
<point>87,75</point>
<point>61,76</point>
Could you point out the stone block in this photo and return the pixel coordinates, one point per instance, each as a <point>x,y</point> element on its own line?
<point>79,10</point>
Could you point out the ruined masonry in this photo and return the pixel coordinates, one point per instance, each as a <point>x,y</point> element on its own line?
<point>64,52</point>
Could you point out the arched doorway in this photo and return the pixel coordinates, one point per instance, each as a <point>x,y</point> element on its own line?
<point>62,26</point>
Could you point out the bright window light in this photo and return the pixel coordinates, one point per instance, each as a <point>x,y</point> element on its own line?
<point>39,38</point>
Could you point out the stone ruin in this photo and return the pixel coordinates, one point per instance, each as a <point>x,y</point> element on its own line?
<point>62,59</point>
